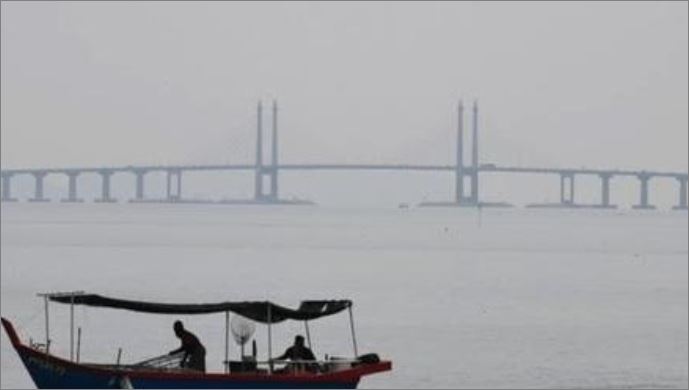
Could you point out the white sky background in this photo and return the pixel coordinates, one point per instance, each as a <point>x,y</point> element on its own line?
<point>559,84</point>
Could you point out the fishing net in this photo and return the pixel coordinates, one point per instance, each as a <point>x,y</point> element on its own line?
<point>242,329</point>
<point>162,362</point>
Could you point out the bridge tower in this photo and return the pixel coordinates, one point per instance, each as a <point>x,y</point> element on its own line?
<point>261,170</point>
<point>274,162</point>
<point>462,171</point>
<point>474,157</point>
<point>459,162</point>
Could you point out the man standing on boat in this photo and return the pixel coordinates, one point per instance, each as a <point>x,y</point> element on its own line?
<point>194,352</point>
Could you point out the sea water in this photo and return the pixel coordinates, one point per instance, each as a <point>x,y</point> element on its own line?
<point>509,298</point>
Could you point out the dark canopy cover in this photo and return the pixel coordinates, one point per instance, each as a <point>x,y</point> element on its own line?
<point>257,311</point>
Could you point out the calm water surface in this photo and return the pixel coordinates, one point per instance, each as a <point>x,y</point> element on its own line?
<point>517,298</point>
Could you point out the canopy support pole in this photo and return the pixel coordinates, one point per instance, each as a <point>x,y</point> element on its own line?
<point>71,328</point>
<point>270,342</point>
<point>227,342</point>
<point>119,355</point>
<point>308,334</point>
<point>78,343</point>
<point>47,325</point>
<point>351,325</point>
<point>46,300</point>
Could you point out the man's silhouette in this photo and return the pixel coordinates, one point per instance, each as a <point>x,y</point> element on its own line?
<point>194,352</point>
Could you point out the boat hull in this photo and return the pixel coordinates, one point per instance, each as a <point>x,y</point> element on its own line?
<point>51,372</point>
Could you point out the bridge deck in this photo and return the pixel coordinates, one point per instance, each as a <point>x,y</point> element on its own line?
<point>345,167</point>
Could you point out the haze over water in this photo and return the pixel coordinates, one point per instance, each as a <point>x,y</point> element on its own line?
<point>519,298</point>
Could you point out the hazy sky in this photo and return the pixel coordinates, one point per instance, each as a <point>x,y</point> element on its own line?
<point>559,84</point>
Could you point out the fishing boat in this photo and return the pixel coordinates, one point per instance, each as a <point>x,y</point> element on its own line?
<point>164,372</point>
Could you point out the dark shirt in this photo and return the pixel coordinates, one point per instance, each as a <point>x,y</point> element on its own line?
<point>297,353</point>
<point>190,344</point>
<point>194,352</point>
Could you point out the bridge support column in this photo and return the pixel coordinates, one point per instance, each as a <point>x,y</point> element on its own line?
<point>7,188</point>
<point>565,198</point>
<point>643,193</point>
<point>258,174</point>
<point>72,195</point>
<point>473,197</point>
<point>682,204</point>
<point>459,186</point>
<point>174,194</point>
<point>274,168</point>
<point>462,171</point>
<point>38,195</point>
<point>139,196</point>
<point>474,158</point>
<point>258,185</point>
<point>261,171</point>
<point>272,195</point>
<point>459,156</point>
<point>605,191</point>
<point>105,187</point>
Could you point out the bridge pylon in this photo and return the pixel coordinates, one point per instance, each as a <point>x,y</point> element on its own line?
<point>462,172</point>
<point>270,171</point>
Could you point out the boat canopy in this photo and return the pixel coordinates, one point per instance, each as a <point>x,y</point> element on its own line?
<point>261,311</point>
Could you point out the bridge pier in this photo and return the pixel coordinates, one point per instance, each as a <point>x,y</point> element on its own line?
<point>72,195</point>
<point>470,200</point>
<point>105,187</point>
<point>7,188</point>
<point>643,192</point>
<point>682,204</point>
<point>38,195</point>
<point>459,186</point>
<point>567,178</point>
<point>139,195</point>
<point>272,195</point>
<point>605,191</point>
<point>174,194</point>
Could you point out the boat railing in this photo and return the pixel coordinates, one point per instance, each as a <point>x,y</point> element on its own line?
<point>310,366</point>
<point>41,347</point>
<point>170,363</point>
<point>329,361</point>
